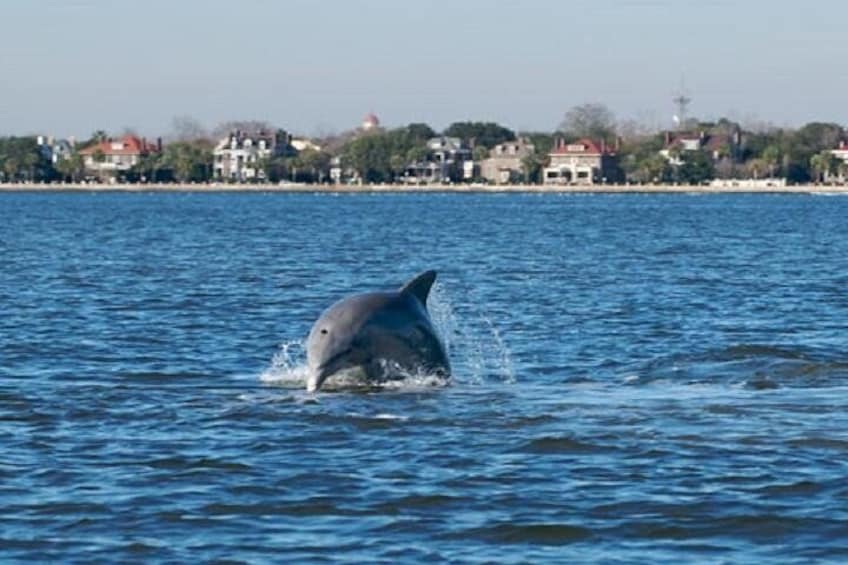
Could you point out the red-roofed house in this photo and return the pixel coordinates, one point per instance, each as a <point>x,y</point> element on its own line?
<point>717,146</point>
<point>582,162</point>
<point>111,157</point>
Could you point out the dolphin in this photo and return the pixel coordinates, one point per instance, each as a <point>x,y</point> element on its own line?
<point>376,337</point>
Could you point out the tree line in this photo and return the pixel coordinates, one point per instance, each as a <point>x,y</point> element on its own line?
<point>798,155</point>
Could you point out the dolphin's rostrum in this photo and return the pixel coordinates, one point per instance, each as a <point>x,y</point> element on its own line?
<point>377,336</point>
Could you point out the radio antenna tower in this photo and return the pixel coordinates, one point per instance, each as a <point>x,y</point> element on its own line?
<point>681,102</point>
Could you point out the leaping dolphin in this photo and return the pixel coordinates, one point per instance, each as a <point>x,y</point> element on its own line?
<point>377,336</point>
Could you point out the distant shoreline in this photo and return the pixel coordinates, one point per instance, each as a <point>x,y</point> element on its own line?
<point>400,188</point>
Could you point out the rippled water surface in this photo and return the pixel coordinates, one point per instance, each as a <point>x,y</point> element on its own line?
<point>637,379</point>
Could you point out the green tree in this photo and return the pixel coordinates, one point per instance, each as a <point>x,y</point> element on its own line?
<point>823,164</point>
<point>262,167</point>
<point>842,170</point>
<point>96,137</point>
<point>376,157</point>
<point>479,153</point>
<point>772,157</point>
<point>656,169</point>
<point>532,166</point>
<point>486,134</point>
<point>641,160</point>
<point>312,165</point>
<point>799,147</point>
<point>542,142</point>
<point>420,132</point>
<point>188,161</point>
<point>416,154</point>
<point>277,168</point>
<point>21,159</point>
<point>150,168</point>
<point>697,168</point>
<point>71,167</point>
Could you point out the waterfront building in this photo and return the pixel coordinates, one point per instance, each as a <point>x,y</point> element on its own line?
<point>716,145</point>
<point>239,156</point>
<point>302,144</point>
<point>112,158</point>
<point>506,162</point>
<point>445,162</point>
<point>470,170</point>
<point>55,150</point>
<point>583,162</point>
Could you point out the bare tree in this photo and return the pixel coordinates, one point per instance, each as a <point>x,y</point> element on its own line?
<point>634,129</point>
<point>592,120</point>
<point>250,126</point>
<point>187,128</point>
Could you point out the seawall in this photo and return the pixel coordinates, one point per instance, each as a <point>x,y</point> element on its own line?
<point>400,188</point>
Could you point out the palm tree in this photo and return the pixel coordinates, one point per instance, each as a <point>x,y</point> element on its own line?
<point>771,157</point>
<point>10,167</point>
<point>823,163</point>
<point>843,171</point>
<point>148,167</point>
<point>70,167</point>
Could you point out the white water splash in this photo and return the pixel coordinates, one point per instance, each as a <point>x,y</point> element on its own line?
<point>288,366</point>
<point>474,345</point>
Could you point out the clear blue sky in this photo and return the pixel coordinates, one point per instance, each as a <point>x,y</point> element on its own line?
<point>72,66</point>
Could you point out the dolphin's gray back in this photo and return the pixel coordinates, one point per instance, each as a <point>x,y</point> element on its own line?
<point>400,330</point>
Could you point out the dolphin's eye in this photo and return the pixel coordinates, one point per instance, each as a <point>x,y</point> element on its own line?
<point>324,331</point>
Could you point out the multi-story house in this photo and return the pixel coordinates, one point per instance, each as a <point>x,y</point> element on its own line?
<point>506,162</point>
<point>113,158</point>
<point>582,162</point>
<point>446,161</point>
<point>238,157</point>
<point>717,146</point>
<point>55,150</point>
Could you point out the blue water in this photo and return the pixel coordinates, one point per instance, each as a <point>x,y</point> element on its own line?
<point>637,379</point>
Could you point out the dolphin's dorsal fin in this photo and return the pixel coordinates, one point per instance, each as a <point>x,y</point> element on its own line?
<point>420,286</point>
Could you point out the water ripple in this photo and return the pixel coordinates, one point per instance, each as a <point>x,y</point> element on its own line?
<point>637,379</point>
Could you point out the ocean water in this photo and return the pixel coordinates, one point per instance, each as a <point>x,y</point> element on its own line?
<point>638,378</point>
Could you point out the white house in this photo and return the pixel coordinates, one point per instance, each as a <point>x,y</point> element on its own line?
<point>237,157</point>
<point>448,159</point>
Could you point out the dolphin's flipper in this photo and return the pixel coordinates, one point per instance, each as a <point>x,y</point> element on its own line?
<point>419,287</point>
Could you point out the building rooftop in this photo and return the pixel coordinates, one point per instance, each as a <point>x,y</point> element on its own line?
<point>583,146</point>
<point>127,145</point>
<point>370,121</point>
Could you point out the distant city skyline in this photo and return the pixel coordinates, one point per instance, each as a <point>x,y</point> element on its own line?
<point>75,66</point>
